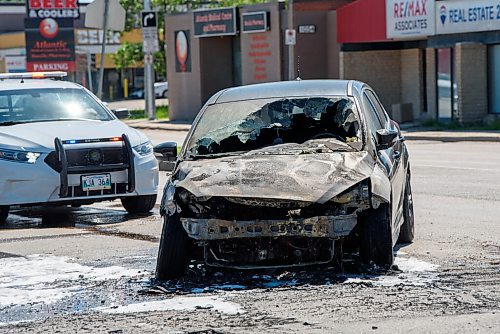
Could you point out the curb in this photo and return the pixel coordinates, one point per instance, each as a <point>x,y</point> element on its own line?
<point>453,139</point>
<point>165,127</point>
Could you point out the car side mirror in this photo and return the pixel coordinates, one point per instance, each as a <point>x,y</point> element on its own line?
<point>386,138</point>
<point>121,113</point>
<point>166,154</point>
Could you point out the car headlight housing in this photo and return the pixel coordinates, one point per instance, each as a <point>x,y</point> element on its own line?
<point>19,156</point>
<point>144,149</point>
<point>168,202</point>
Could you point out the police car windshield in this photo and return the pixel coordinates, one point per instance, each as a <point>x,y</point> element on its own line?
<point>49,104</point>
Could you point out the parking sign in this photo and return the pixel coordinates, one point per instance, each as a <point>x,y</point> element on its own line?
<point>149,31</point>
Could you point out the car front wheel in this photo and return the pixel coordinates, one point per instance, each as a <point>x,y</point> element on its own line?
<point>174,251</point>
<point>376,236</point>
<point>139,204</point>
<point>407,232</point>
<point>4,212</point>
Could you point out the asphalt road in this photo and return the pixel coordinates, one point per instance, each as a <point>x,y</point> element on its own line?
<point>89,270</point>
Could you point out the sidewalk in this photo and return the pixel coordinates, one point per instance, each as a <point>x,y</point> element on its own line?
<point>409,134</point>
<point>143,124</point>
<point>452,135</point>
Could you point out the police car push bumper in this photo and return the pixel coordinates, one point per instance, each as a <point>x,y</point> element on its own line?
<point>35,182</point>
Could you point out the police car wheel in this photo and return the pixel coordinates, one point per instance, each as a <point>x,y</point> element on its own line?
<point>139,204</point>
<point>4,212</point>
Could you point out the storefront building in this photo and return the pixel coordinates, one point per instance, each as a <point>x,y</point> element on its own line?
<point>427,59</point>
<point>213,49</point>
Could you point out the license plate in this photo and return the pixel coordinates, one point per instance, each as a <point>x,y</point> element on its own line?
<point>96,182</point>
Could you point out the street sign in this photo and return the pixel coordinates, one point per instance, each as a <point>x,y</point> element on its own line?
<point>148,19</point>
<point>149,32</point>
<point>290,37</point>
<point>94,17</point>
<point>148,59</point>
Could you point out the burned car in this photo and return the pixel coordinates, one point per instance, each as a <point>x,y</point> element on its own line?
<point>285,174</point>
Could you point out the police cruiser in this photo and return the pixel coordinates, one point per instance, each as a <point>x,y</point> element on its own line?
<point>60,145</point>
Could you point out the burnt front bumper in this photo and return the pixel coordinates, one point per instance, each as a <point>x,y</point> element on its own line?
<point>314,227</point>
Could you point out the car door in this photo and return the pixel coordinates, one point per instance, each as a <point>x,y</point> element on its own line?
<point>394,156</point>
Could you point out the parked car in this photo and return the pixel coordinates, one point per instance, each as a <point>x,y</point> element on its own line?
<point>60,145</point>
<point>136,94</point>
<point>286,174</point>
<point>161,90</point>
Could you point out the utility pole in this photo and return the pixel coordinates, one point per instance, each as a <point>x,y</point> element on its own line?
<point>103,48</point>
<point>290,45</point>
<point>149,74</point>
<point>89,71</point>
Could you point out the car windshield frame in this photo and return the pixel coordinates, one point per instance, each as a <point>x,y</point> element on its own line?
<point>33,105</point>
<point>187,151</point>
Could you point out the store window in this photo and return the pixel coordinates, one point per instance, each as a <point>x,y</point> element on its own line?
<point>494,78</point>
<point>446,87</point>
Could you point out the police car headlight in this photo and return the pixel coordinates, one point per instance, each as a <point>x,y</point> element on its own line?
<point>144,149</point>
<point>19,156</point>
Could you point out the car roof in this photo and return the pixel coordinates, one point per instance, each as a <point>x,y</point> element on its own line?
<point>285,89</point>
<point>14,84</point>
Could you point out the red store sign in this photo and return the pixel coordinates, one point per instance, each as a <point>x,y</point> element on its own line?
<point>53,9</point>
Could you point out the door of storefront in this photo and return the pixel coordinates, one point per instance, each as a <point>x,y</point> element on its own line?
<point>446,88</point>
<point>494,78</point>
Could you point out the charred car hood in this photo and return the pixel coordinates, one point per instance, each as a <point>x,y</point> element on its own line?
<point>308,177</point>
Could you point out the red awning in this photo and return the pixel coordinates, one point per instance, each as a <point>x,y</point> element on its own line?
<point>362,21</point>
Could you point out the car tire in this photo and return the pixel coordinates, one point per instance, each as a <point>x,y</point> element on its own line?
<point>165,94</point>
<point>4,212</point>
<point>407,232</point>
<point>174,251</point>
<point>376,237</point>
<point>139,204</point>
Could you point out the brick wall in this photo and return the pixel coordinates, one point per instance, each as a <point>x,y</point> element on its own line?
<point>396,76</point>
<point>471,77</point>
<point>412,80</point>
<point>379,69</point>
<point>430,58</point>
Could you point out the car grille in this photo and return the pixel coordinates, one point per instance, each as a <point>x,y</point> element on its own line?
<point>107,158</point>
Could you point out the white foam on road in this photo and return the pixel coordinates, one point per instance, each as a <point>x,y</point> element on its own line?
<point>413,272</point>
<point>44,278</point>
<point>182,303</point>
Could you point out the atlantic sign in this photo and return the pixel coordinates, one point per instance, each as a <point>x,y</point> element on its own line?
<point>410,19</point>
<point>214,22</point>
<point>467,16</point>
<point>50,45</point>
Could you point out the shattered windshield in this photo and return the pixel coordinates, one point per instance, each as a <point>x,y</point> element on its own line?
<point>253,124</point>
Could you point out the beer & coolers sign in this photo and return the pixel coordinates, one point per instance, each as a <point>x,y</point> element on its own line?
<point>56,9</point>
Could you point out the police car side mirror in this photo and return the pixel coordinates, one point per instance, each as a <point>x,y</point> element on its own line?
<point>121,113</point>
<point>386,138</point>
<point>166,154</point>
